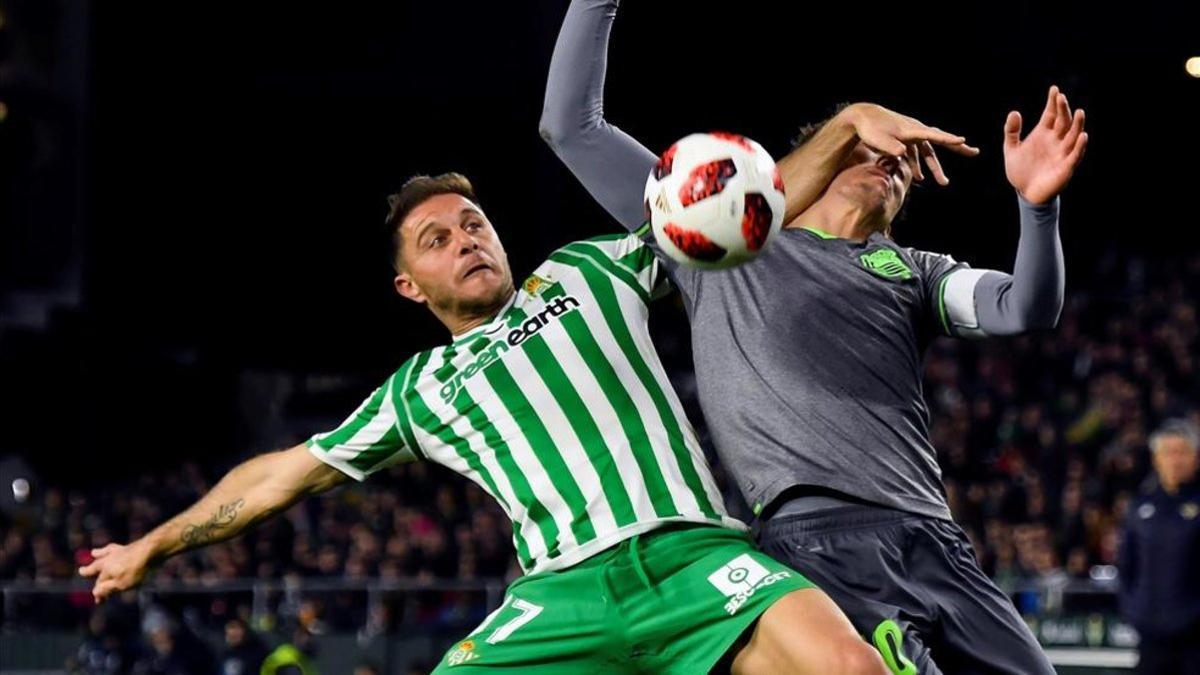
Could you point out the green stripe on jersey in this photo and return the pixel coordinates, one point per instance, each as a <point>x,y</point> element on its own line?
<point>434,426</point>
<point>367,412</point>
<point>601,260</point>
<point>602,289</point>
<point>556,406</point>
<point>584,426</point>
<point>627,414</point>
<point>403,377</point>
<point>636,260</point>
<point>467,407</point>
<point>378,452</point>
<point>526,417</point>
<point>941,293</point>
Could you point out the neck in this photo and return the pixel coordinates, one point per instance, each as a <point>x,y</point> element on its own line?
<point>842,218</point>
<point>459,320</point>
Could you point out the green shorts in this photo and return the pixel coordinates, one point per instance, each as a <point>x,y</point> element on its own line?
<point>673,600</point>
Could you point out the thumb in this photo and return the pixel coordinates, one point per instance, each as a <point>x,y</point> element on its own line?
<point>1012,130</point>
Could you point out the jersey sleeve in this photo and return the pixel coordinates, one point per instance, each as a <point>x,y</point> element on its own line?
<point>948,288</point>
<point>629,259</point>
<point>610,164</point>
<point>371,439</point>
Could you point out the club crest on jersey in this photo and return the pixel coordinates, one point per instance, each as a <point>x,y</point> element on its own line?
<point>741,578</point>
<point>462,654</point>
<point>886,263</point>
<point>535,285</point>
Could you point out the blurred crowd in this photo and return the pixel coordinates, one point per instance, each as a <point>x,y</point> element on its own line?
<point>1043,443</point>
<point>1043,439</point>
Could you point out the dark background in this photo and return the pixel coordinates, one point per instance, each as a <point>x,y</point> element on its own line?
<point>191,193</point>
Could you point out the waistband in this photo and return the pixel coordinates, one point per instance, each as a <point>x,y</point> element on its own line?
<point>845,517</point>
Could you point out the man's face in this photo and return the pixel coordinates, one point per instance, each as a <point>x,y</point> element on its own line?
<point>235,633</point>
<point>1175,461</point>
<point>452,258</point>
<point>874,181</point>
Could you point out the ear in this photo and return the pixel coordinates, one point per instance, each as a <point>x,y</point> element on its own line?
<point>406,286</point>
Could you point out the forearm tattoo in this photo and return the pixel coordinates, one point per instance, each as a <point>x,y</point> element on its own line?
<point>198,535</point>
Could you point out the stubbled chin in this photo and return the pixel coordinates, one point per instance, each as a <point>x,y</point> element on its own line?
<point>484,290</point>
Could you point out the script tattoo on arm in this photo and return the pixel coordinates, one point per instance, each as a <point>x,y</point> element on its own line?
<point>210,530</point>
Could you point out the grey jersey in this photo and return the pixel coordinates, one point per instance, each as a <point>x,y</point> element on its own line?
<point>808,362</point>
<point>808,359</point>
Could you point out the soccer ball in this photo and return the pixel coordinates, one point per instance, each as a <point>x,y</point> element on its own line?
<point>714,200</point>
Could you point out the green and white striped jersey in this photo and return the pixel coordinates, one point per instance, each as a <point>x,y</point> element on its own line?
<point>558,407</point>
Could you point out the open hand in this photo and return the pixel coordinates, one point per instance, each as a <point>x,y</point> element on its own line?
<point>1040,166</point>
<point>903,136</point>
<point>116,568</point>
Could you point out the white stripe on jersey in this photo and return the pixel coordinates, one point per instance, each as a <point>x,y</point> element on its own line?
<point>568,444</point>
<point>609,422</point>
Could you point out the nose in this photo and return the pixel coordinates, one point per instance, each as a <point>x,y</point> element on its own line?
<point>889,163</point>
<point>467,243</point>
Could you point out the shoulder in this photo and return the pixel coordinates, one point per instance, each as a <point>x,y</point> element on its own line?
<point>929,260</point>
<point>618,254</point>
<point>616,244</point>
<point>411,369</point>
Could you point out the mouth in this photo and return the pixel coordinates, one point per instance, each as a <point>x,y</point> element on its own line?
<point>884,175</point>
<point>476,269</point>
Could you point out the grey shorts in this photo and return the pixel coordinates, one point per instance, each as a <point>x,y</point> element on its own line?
<point>910,585</point>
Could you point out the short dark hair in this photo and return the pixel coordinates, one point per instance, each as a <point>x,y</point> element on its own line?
<point>809,130</point>
<point>415,191</point>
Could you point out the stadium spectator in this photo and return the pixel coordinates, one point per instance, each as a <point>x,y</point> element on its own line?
<point>1161,553</point>
<point>1043,445</point>
<point>244,651</point>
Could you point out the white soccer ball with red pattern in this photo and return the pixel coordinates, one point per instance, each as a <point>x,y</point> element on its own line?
<point>714,200</point>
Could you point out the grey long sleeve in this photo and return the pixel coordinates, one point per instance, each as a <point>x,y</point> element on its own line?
<point>613,166</point>
<point>986,302</point>
<point>610,164</point>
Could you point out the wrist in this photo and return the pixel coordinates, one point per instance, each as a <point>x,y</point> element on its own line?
<point>848,118</point>
<point>1044,205</point>
<point>151,548</point>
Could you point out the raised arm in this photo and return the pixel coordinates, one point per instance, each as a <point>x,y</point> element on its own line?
<point>248,494</point>
<point>613,166</point>
<point>1039,168</point>
<point>1032,296</point>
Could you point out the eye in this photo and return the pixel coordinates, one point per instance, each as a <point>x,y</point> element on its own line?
<point>474,225</point>
<point>437,240</point>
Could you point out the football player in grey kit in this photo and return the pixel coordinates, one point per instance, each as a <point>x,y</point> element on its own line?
<point>809,358</point>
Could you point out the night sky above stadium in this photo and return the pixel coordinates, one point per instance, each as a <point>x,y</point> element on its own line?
<point>239,156</point>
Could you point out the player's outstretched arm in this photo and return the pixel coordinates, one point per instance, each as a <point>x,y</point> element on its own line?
<point>248,494</point>
<point>1039,168</point>
<point>611,165</point>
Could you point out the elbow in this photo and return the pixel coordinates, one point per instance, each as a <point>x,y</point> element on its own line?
<point>1046,316</point>
<point>1036,319</point>
<point>549,133</point>
<point>1030,313</point>
<point>552,129</point>
<point>566,131</point>
<point>1042,320</point>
